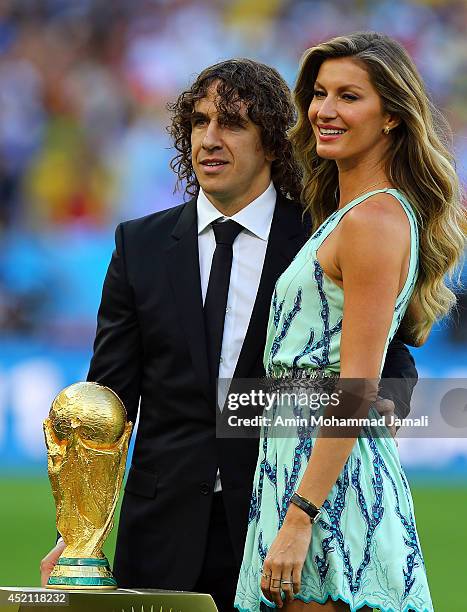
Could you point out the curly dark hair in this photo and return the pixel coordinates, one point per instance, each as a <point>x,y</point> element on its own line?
<point>269,105</point>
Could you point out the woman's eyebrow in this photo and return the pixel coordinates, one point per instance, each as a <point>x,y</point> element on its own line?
<point>342,87</point>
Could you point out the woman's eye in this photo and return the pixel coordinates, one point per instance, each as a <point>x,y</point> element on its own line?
<point>318,94</point>
<point>349,97</point>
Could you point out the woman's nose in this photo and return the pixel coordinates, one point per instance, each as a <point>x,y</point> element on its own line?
<point>327,108</point>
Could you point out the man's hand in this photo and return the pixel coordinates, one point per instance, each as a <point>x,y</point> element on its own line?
<point>386,408</point>
<point>48,562</point>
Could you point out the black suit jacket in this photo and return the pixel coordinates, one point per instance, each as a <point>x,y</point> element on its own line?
<point>150,349</point>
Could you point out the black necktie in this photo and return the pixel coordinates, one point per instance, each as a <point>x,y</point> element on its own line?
<point>218,289</point>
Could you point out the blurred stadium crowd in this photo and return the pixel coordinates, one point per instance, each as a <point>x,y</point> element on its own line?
<point>84,86</point>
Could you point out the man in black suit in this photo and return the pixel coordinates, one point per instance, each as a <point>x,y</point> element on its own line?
<point>168,326</point>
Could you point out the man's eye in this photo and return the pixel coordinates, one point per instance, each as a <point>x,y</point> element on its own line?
<point>231,124</point>
<point>199,121</point>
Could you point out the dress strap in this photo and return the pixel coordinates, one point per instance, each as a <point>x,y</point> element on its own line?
<point>412,273</point>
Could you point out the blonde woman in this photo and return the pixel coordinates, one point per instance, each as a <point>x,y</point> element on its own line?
<point>331,523</point>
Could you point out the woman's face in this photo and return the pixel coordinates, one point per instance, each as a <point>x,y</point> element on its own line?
<point>346,113</point>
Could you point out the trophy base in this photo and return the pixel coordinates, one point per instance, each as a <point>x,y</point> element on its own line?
<point>82,573</point>
<point>20,599</point>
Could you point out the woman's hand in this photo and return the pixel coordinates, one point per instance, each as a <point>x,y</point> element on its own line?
<point>282,568</point>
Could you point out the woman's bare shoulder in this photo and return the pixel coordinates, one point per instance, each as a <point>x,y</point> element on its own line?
<point>381,215</point>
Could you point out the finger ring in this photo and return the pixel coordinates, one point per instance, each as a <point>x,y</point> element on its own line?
<point>266,575</point>
<point>287,581</point>
<point>276,580</point>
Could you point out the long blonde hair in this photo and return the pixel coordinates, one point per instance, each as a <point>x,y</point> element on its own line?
<point>419,162</point>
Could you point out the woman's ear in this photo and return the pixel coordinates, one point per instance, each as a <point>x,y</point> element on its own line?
<point>391,121</point>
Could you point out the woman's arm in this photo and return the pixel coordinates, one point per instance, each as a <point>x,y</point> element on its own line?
<point>373,246</point>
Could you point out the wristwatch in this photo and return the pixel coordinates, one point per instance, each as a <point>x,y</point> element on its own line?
<point>306,505</point>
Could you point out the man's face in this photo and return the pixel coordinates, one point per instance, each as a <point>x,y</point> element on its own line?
<point>228,157</point>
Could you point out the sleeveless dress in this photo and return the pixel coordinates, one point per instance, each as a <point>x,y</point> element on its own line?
<point>365,549</point>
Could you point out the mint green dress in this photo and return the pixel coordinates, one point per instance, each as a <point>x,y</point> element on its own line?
<point>365,548</point>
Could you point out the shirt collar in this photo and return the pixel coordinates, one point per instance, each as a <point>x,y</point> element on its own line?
<point>256,217</point>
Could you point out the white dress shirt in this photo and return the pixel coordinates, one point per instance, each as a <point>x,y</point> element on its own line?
<point>249,250</point>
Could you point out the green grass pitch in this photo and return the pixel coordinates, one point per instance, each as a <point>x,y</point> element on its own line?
<point>27,532</point>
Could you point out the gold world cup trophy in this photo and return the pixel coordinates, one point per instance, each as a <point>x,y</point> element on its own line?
<point>87,436</point>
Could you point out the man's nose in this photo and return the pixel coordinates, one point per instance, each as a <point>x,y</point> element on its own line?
<point>328,108</point>
<point>212,136</point>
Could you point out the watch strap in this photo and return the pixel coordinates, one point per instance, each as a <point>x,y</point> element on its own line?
<point>306,505</point>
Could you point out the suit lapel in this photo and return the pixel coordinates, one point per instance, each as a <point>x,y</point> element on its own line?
<point>286,237</point>
<point>183,269</point>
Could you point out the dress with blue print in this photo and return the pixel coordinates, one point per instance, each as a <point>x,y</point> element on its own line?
<point>365,549</point>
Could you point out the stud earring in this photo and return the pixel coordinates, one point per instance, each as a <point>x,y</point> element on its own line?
<point>386,130</point>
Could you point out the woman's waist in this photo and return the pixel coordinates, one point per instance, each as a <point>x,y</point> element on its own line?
<point>283,370</point>
<point>281,376</point>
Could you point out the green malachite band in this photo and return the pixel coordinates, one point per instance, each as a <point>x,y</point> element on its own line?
<point>83,561</point>
<point>83,581</point>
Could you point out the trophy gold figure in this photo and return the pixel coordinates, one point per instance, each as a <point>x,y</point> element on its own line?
<point>87,436</point>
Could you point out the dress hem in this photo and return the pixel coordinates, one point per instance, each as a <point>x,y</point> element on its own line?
<point>408,608</point>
